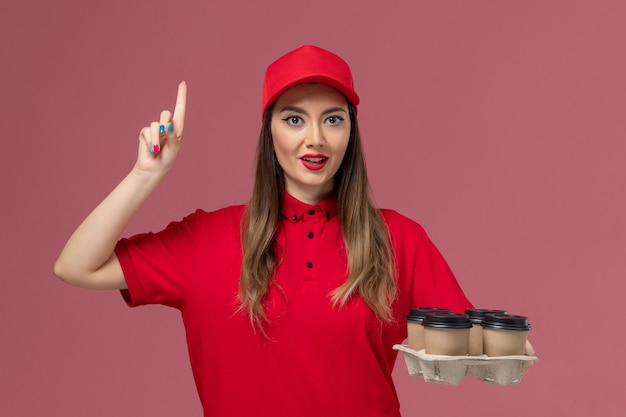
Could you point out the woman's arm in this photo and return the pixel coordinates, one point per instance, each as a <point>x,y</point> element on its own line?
<point>88,259</point>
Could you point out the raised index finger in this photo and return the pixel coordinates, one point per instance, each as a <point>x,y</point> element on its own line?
<point>179,109</point>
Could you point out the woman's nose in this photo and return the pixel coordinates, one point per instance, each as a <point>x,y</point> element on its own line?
<point>315,136</point>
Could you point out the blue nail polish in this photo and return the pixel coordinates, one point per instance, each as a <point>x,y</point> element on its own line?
<point>161,129</point>
<point>170,127</point>
<point>151,151</point>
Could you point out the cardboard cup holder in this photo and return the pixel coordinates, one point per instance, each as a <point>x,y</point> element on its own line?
<point>450,370</point>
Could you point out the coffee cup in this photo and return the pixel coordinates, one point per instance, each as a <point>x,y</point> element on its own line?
<point>504,334</point>
<point>415,329</point>
<point>446,333</point>
<point>476,316</point>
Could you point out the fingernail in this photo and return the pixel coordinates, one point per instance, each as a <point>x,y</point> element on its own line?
<point>170,127</point>
<point>151,151</point>
<point>161,129</point>
<point>156,150</point>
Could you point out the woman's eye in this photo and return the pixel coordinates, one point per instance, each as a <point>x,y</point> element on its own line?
<point>334,120</point>
<point>293,120</point>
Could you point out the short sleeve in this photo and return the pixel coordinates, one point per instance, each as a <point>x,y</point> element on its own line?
<point>159,266</point>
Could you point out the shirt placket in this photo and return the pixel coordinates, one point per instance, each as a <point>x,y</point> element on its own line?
<point>311,229</point>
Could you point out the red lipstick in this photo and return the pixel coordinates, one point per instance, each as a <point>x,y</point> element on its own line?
<point>314,162</point>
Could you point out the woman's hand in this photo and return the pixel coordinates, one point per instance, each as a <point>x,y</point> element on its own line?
<point>530,351</point>
<point>160,142</point>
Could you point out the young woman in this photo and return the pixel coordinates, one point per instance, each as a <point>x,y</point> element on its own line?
<point>292,303</point>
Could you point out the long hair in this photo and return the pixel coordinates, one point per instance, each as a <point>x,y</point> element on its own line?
<point>368,248</point>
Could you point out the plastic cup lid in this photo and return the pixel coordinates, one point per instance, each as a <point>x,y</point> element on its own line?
<point>417,314</point>
<point>447,320</point>
<point>505,322</point>
<point>476,314</point>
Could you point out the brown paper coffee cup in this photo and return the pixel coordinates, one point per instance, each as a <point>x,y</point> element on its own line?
<point>504,334</point>
<point>415,330</point>
<point>446,333</point>
<point>476,316</point>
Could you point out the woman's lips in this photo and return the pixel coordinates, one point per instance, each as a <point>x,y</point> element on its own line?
<point>314,162</point>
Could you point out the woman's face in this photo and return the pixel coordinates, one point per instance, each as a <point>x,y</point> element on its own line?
<point>310,129</point>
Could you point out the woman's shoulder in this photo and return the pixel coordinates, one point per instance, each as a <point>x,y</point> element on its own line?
<point>402,228</point>
<point>222,213</point>
<point>396,220</point>
<point>224,217</point>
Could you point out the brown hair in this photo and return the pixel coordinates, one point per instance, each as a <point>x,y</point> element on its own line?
<point>369,253</point>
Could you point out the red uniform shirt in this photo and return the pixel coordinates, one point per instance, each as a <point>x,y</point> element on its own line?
<point>318,360</point>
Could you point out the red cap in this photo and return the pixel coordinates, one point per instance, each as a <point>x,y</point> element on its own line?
<point>307,64</point>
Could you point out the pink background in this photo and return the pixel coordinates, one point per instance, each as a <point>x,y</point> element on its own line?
<point>498,125</point>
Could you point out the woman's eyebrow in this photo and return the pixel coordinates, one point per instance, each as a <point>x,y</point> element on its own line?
<point>334,109</point>
<point>293,109</point>
<point>302,111</point>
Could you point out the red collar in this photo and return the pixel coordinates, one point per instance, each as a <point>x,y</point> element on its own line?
<point>294,210</point>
